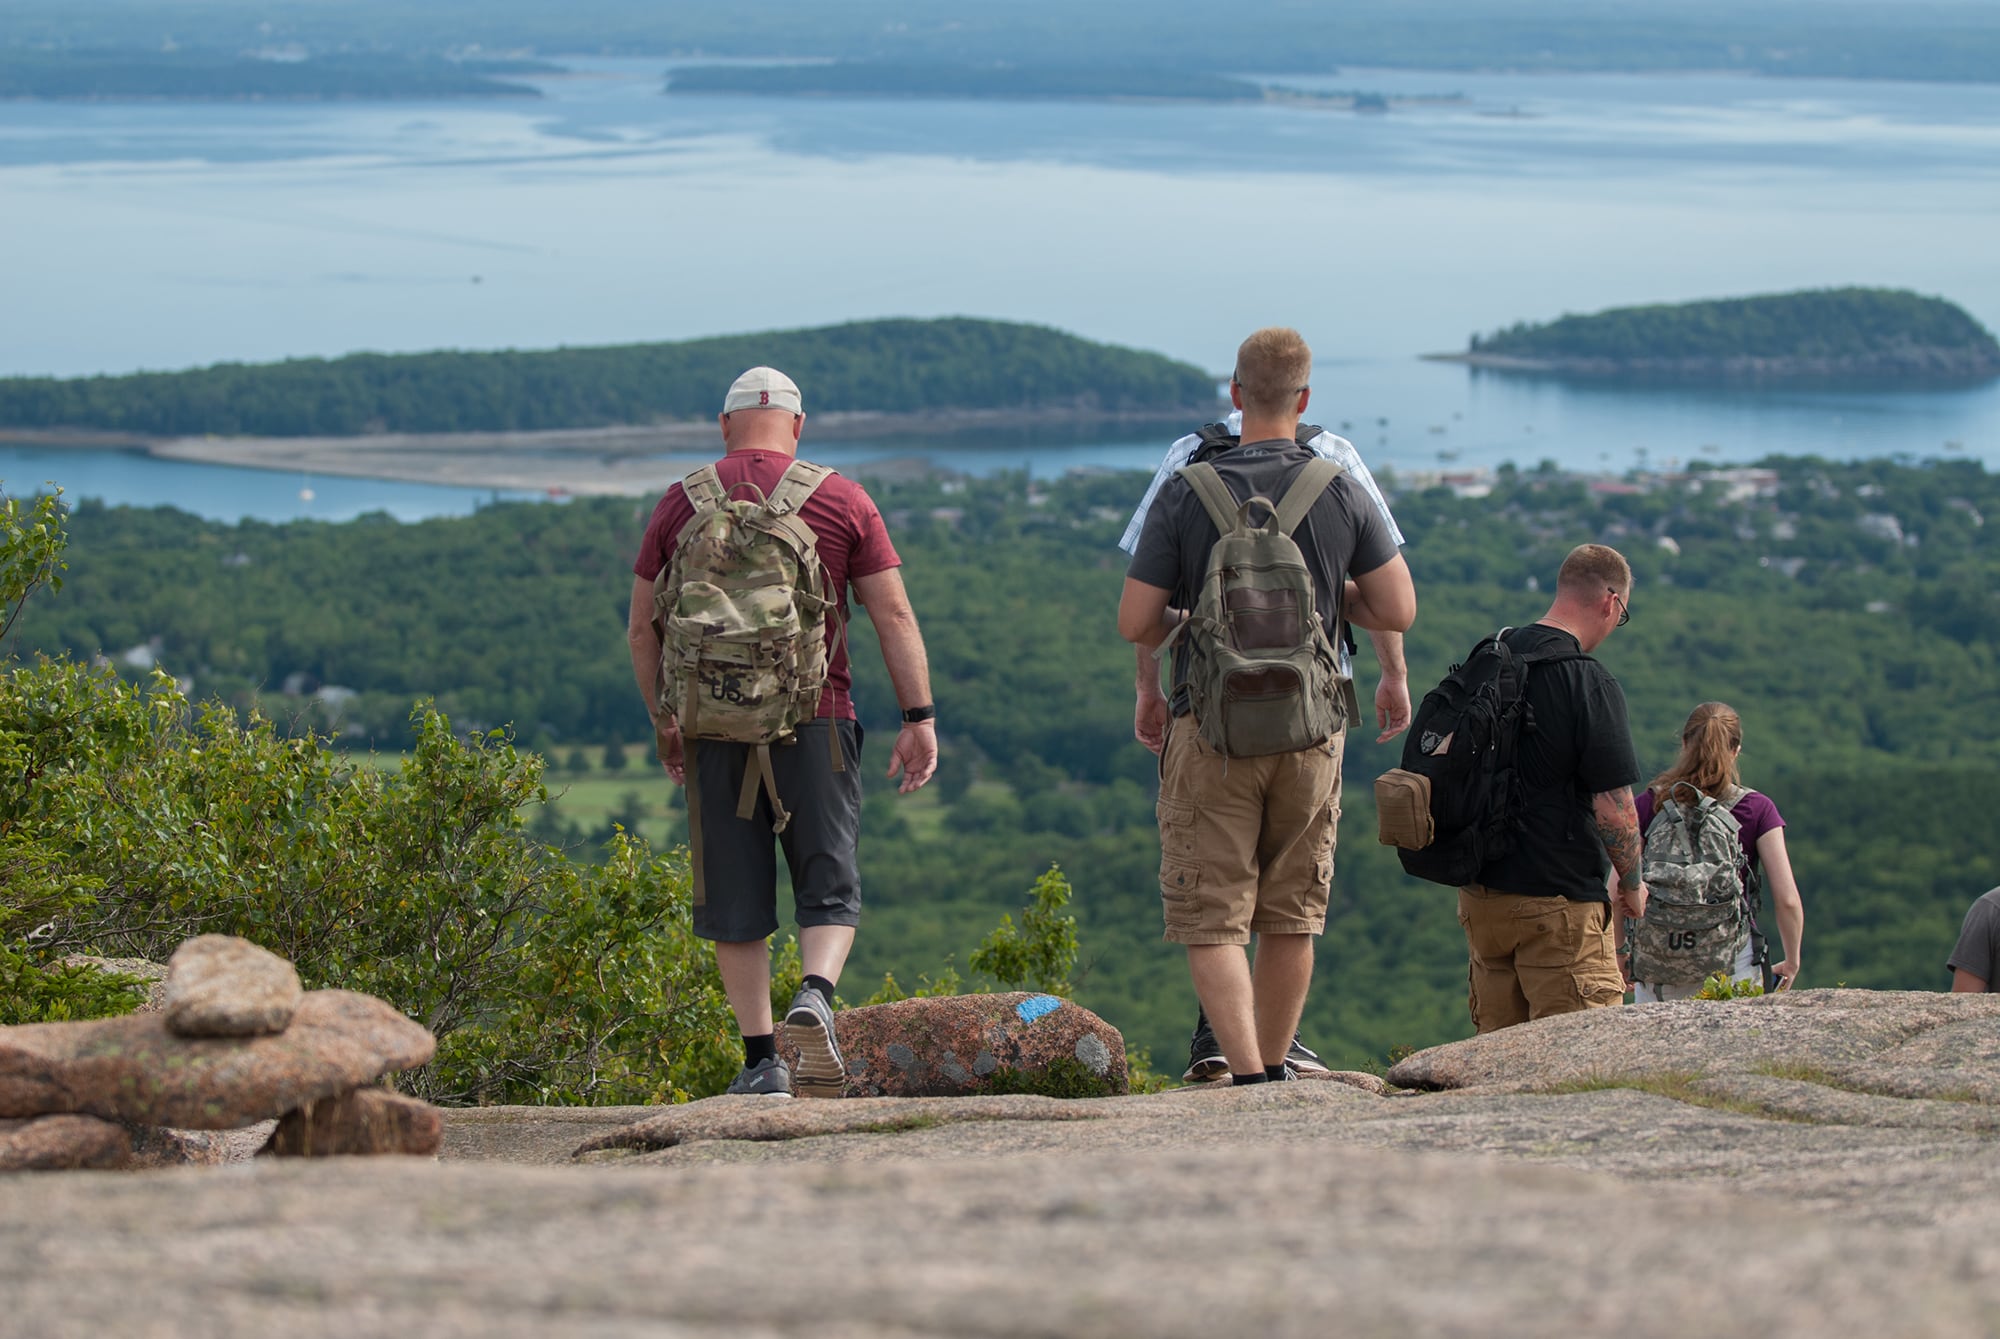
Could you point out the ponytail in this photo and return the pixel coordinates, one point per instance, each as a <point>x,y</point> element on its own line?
<point>1709,743</point>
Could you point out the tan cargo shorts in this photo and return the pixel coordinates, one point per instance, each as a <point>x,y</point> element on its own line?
<point>1536,956</point>
<point>1246,844</point>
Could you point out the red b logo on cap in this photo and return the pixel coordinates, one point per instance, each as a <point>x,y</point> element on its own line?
<point>763,398</point>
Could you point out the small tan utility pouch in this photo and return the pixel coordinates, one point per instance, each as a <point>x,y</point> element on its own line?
<point>1403,809</point>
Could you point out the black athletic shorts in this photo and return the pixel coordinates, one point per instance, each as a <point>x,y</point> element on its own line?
<point>739,862</point>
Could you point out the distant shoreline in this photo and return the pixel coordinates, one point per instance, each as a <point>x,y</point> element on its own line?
<point>1914,369</point>
<point>622,461</point>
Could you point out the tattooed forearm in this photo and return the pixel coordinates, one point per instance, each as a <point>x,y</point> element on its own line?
<point>1618,828</point>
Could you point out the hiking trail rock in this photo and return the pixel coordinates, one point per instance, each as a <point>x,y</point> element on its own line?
<point>766,1119</point>
<point>222,986</point>
<point>1752,1186</point>
<point>365,1121</point>
<point>964,1045</point>
<point>1900,1043</point>
<point>132,1069</point>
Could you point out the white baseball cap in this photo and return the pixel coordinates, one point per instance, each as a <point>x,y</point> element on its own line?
<point>762,388</point>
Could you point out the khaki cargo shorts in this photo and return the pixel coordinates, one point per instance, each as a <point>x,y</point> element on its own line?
<point>1536,956</point>
<point>1246,844</point>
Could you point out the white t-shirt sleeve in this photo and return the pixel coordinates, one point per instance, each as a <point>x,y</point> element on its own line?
<point>1178,455</point>
<point>1335,448</point>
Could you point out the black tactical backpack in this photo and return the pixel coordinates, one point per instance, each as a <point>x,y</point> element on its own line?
<point>1451,808</point>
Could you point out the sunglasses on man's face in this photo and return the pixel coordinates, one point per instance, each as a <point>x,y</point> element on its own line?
<point>1624,609</point>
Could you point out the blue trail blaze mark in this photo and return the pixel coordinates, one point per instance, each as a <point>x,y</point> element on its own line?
<point>1035,1006</point>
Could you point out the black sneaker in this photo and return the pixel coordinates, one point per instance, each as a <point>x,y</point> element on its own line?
<point>1300,1060</point>
<point>1205,1062</point>
<point>767,1078</point>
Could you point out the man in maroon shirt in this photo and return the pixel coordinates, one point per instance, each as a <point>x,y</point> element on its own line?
<point>761,420</point>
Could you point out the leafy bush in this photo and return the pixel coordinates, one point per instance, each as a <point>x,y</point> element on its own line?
<point>1042,951</point>
<point>1720,987</point>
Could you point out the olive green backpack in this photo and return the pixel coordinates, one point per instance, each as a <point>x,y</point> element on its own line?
<point>1262,675</point>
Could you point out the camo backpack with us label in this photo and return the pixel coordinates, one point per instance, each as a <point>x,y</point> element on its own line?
<point>1698,914</point>
<point>741,612</point>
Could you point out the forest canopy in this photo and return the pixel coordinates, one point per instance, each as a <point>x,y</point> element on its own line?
<point>885,366</point>
<point>1848,611</point>
<point>1830,323</point>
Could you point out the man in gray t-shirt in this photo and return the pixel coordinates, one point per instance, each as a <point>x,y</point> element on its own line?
<point>1247,842</point>
<point>1975,963</point>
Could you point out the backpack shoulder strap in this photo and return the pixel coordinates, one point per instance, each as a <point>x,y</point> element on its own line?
<point>1215,437</point>
<point>704,489</point>
<point>798,483</point>
<point>1314,479</point>
<point>1551,655</point>
<point>1215,496</point>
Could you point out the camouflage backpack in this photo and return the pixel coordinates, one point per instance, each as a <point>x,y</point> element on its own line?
<point>1262,674</point>
<point>1698,914</point>
<point>741,614</point>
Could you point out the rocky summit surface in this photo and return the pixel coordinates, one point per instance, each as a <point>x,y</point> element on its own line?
<point>1821,1165</point>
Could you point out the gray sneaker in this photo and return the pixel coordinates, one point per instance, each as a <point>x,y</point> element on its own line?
<point>766,1078</point>
<point>809,1026</point>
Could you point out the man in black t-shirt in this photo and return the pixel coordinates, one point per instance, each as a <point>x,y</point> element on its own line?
<point>1975,959</point>
<point>1538,922</point>
<point>1246,844</point>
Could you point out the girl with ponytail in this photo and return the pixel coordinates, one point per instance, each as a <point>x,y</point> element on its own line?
<point>1711,742</point>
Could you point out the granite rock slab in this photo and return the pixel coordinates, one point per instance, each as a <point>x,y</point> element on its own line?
<point>971,1045</point>
<point>132,1069</point>
<point>363,1122</point>
<point>63,1143</point>
<point>768,1119</point>
<point>223,986</point>
<point>1871,1036</point>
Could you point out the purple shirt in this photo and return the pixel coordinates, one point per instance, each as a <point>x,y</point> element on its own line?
<point>1755,816</point>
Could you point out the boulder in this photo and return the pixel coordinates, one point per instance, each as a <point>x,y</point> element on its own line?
<point>1850,1033</point>
<point>63,1143</point>
<point>362,1121</point>
<point>222,986</point>
<point>132,1069</point>
<point>966,1045</point>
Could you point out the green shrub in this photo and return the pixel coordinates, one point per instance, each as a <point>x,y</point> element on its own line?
<point>1040,954</point>
<point>1720,987</point>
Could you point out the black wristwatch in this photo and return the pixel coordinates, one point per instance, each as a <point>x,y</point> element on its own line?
<point>913,715</point>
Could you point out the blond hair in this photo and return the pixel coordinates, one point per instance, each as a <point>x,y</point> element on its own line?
<point>1272,367</point>
<point>1709,743</point>
<point>1590,569</point>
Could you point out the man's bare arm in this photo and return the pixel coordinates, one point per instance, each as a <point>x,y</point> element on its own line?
<point>1618,828</point>
<point>1392,691</point>
<point>915,754</point>
<point>645,644</point>
<point>1149,714</point>
<point>1143,614</point>
<point>1965,983</point>
<point>1383,600</point>
<point>644,641</point>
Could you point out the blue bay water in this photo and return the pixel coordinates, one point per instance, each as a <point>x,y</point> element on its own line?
<point>162,236</point>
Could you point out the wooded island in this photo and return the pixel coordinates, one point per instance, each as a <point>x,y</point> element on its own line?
<point>1837,335</point>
